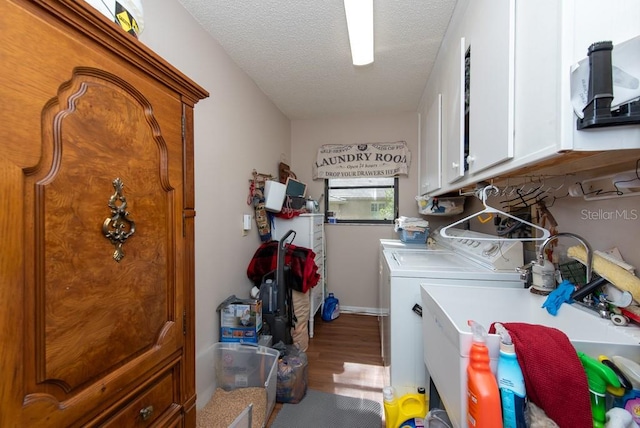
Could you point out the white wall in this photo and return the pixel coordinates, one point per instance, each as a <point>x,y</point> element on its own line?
<point>237,129</point>
<point>604,224</point>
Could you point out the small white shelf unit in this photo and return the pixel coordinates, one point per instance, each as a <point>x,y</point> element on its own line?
<point>309,230</point>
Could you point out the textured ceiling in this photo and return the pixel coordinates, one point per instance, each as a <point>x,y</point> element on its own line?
<point>297,52</point>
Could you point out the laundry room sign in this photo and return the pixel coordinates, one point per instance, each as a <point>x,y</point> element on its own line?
<point>362,160</point>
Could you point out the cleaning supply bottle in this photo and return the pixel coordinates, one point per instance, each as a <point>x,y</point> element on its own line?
<point>598,376</point>
<point>331,308</point>
<point>406,411</point>
<point>391,408</point>
<point>483,396</point>
<point>412,409</point>
<point>513,396</point>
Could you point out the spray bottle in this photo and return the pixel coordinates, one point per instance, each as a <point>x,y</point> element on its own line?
<point>483,396</point>
<point>513,394</point>
<point>598,376</point>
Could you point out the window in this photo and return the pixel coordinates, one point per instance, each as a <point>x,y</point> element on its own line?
<point>376,207</point>
<point>362,200</point>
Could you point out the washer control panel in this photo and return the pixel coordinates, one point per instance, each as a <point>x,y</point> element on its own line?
<point>496,254</point>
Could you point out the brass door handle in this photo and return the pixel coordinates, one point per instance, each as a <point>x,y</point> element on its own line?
<point>119,227</point>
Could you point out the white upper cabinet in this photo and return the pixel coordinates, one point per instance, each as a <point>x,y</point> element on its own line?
<point>453,117</point>
<point>431,147</point>
<point>518,58</point>
<point>489,60</point>
<point>441,120</point>
<point>551,37</point>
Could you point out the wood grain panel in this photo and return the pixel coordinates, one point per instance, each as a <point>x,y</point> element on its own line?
<point>85,103</point>
<point>91,146</point>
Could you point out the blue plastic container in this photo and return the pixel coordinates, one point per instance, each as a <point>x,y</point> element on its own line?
<point>331,308</point>
<point>413,236</point>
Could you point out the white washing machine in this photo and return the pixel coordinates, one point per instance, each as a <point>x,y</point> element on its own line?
<point>463,261</point>
<point>392,244</point>
<point>383,302</point>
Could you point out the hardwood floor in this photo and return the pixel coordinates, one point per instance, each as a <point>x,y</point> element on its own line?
<point>344,358</point>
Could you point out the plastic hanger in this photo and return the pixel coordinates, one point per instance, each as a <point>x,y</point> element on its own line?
<point>491,210</point>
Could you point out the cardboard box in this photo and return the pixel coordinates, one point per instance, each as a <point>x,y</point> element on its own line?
<point>240,320</point>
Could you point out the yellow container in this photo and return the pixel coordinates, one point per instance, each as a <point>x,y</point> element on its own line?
<point>400,412</point>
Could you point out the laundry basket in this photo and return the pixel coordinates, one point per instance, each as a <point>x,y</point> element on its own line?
<point>440,206</point>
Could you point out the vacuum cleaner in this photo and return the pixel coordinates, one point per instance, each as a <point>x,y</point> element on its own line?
<point>276,296</point>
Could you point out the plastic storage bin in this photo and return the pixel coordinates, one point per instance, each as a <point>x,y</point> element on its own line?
<point>440,206</point>
<point>240,365</point>
<point>413,236</point>
<point>244,418</point>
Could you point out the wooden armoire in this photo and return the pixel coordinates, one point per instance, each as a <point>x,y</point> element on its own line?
<point>97,320</point>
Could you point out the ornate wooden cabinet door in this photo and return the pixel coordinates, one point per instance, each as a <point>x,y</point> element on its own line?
<point>96,172</point>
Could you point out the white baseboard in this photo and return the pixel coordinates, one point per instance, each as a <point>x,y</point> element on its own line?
<point>360,310</point>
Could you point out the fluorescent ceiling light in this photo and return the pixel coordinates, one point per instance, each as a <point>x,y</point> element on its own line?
<point>360,25</point>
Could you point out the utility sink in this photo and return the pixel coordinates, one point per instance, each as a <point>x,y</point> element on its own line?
<point>447,337</point>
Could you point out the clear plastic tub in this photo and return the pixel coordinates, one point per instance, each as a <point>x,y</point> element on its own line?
<point>240,365</point>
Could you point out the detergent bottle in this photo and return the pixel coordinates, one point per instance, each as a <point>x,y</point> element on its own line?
<point>391,408</point>
<point>413,409</point>
<point>513,395</point>
<point>483,395</point>
<point>407,411</point>
<point>330,308</point>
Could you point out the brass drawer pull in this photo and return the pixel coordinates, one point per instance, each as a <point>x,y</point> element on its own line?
<point>146,413</point>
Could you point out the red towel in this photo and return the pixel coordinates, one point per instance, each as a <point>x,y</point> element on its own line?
<point>553,375</point>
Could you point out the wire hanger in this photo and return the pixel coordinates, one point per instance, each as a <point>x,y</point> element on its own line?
<point>491,210</point>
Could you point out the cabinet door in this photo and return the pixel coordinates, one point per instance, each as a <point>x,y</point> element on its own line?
<point>431,148</point>
<point>103,221</point>
<point>452,110</point>
<point>490,45</point>
<point>93,173</point>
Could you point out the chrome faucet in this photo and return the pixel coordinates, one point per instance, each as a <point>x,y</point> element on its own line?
<point>586,245</point>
